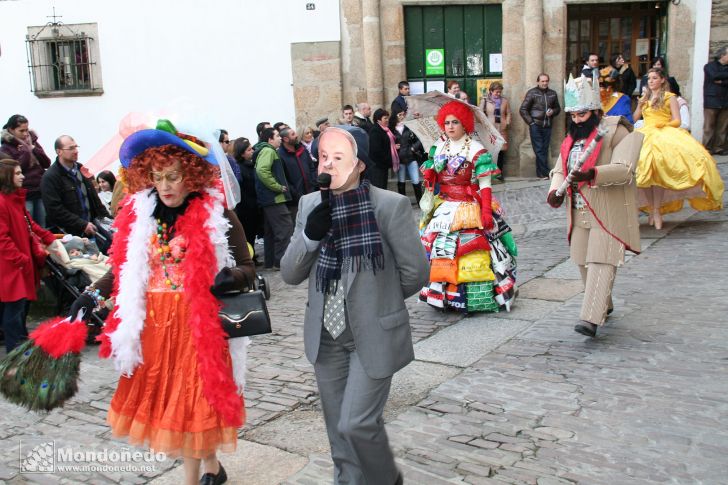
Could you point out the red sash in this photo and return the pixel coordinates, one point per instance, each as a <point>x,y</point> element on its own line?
<point>589,163</point>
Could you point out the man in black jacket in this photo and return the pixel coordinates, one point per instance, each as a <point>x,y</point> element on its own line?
<point>70,199</point>
<point>362,117</point>
<point>539,107</point>
<point>298,167</point>
<point>715,104</point>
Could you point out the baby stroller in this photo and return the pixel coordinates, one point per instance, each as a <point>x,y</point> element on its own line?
<point>69,278</point>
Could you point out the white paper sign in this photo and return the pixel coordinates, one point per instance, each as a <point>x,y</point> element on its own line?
<point>417,87</point>
<point>436,86</point>
<point>496,63</point>
<point>642,47</point>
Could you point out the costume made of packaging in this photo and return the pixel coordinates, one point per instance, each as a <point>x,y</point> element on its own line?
<point>180,390</point>
<point>601,213</point>
<point>675,161</point>
<point>471,249</point>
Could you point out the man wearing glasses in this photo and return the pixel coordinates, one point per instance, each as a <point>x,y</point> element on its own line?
<point>69,197</point>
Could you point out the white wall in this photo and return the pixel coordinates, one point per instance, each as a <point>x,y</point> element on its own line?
<point>227,62</point>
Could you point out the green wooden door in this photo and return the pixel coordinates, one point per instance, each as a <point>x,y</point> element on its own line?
<point>469,34</point>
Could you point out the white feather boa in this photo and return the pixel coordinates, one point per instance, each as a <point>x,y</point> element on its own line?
<point>131,304</point>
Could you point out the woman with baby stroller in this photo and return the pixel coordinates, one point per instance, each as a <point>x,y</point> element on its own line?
<point>22,254</point>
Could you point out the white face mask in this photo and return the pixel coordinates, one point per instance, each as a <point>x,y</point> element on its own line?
<point>336,159</point>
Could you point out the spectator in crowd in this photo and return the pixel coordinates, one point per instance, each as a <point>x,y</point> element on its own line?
<point>684,111</point>
<point>498,110</point>
<point>715,103</point>
<point>625,81</point>
<point>591,67</point>
<point>347,115</point>
<point>262,126</point>
<point>614,102</point>
<point>307,137</point>
<point>21,255</point>
<point>273,193</point>
<point>227,147</point>
<point>248,211</point>
<point>279,126</point>
<point>410,152</point>
<point>362,117</point>
<point>660,63</point>
<point>106,182</point>
<point>538,109</point>
<point>360,250</point>
<point>382,148</point>
<point>18,142</point>
<point>399,101</point>
<point>453,89</point>
<point>321,125</point>
<point>70,199</point>
<point>298,167</point>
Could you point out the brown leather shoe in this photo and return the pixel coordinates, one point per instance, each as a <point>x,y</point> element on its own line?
<point>586,328</point>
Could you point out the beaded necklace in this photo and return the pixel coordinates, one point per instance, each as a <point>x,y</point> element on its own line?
<point>455,161</point>
<point>165,253</point>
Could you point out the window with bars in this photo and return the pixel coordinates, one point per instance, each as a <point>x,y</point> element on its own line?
<point>63,60</point>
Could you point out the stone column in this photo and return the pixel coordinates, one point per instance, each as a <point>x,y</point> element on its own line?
<point>372,43</point>
<point>353,81</point>
<point>701,56</point>
<point>532,15</point>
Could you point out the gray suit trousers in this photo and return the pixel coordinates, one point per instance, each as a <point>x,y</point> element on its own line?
<point>353,404</point>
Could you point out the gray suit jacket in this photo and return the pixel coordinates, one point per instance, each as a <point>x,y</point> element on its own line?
<point>375,307</point>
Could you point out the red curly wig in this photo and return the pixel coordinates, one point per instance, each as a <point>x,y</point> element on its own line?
<point>198,174</point>
<point>459,111</point>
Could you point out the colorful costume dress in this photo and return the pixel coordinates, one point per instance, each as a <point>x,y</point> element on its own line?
<point>176,393</point>
<point>672,159</point>
<point>471,268</point>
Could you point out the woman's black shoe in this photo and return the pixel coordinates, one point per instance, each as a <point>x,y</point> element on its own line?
<point>214,479</point>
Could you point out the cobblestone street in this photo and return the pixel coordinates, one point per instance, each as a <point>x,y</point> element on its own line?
<point>507,398</point>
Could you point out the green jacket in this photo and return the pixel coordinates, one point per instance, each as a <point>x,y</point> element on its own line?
<point>270,177</point>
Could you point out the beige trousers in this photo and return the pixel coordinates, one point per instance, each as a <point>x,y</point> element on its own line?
<point>597,254</point>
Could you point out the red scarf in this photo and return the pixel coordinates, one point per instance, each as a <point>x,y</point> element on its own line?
<point>198,267</point>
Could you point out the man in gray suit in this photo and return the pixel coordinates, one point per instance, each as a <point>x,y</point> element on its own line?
<point>360,249</point>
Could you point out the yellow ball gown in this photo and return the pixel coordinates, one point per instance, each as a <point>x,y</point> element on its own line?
<point>672,159</point>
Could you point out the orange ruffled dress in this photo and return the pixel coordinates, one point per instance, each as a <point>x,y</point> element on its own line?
<point>161,405</point>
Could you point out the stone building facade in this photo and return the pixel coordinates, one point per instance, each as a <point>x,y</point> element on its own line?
<point>370,58</point>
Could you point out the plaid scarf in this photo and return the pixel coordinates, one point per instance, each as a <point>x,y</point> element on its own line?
<point>353,243</point>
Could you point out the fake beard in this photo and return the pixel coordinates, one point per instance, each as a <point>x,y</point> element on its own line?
<point>580,131</point>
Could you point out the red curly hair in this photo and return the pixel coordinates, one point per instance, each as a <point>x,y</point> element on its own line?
<point>198,174</point>
<point>459,111</point>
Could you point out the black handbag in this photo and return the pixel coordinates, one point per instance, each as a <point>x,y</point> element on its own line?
<point>244,313</point>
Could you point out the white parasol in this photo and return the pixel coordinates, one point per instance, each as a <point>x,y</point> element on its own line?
<point>422,120</point>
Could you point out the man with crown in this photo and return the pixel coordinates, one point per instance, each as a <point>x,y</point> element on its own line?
<point>600,200</point>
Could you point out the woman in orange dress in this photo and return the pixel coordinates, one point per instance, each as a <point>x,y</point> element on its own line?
<point>176,247</point>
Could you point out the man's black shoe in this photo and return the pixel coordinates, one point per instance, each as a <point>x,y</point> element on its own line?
<point>609,311</point>
<point>400,480</point>
<point>586,328</point>
<point>214,479</point>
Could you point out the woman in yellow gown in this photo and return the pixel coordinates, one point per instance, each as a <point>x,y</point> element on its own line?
<point>673,165</point>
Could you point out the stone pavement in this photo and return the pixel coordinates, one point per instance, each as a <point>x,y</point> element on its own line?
<point>502,398</point>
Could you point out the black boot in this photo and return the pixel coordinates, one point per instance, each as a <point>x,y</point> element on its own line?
<point>586,328</point>
<point>418,192</point>
<point>401,188</point>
